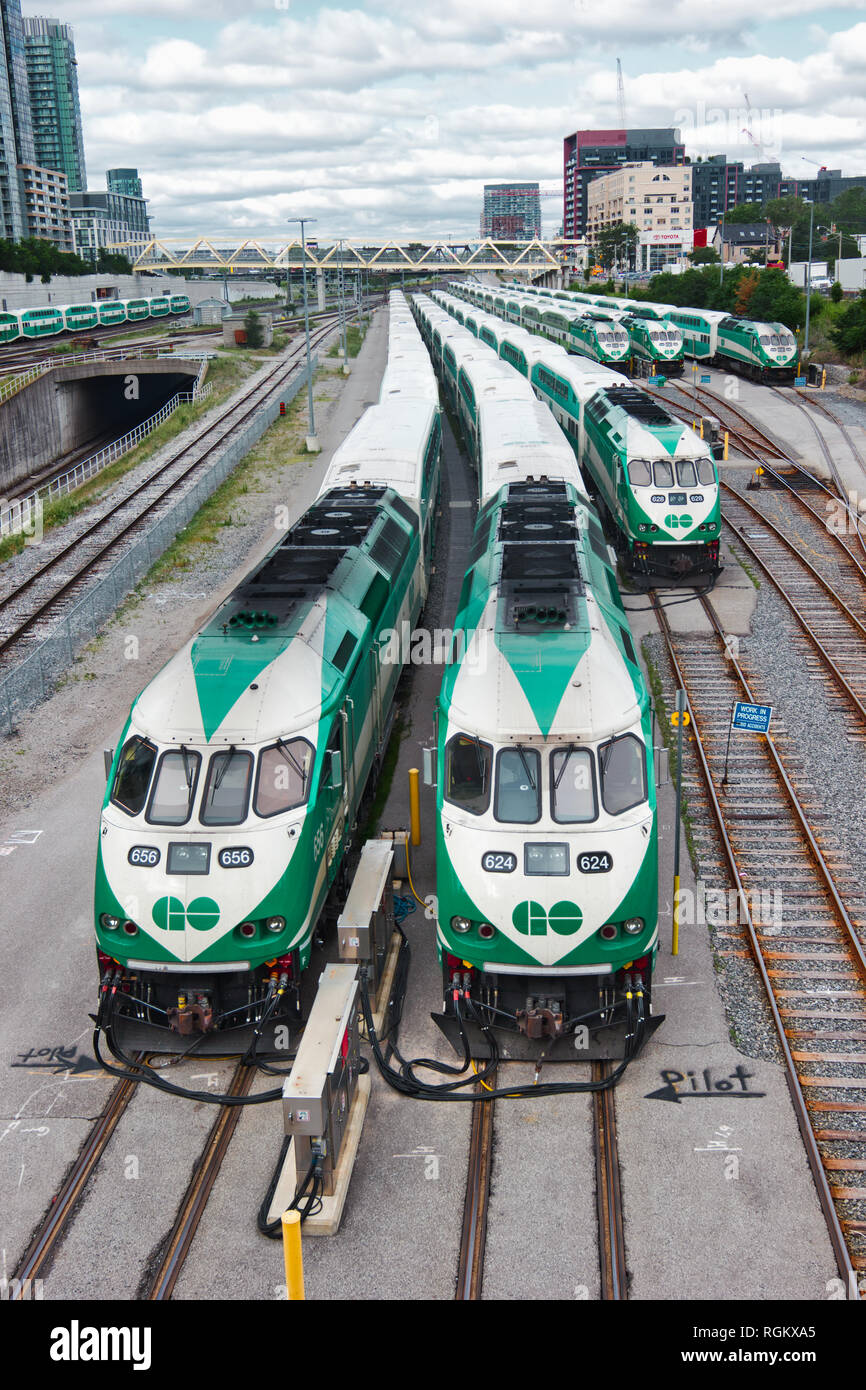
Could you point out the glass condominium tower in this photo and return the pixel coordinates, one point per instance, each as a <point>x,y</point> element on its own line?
<point>16,130</point>
<point>52,75</point>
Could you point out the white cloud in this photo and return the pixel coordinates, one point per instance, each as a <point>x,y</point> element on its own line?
<point>383,117</point>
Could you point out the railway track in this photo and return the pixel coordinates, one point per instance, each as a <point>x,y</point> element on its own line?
<point>160,1280</point>
<point>35,601</point>
<point>801,917</point>
<point>609,1210</point>
<point>828,618</point>
<point>60,1214</point>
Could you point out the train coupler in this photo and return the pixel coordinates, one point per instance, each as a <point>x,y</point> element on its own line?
<point>542,1018</point>
<point>191,1015</point>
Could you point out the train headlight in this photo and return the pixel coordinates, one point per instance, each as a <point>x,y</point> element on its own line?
<point>486,931</point>
<point>634,926</point>
<point>609,931</point>
<point>247,930</point>
<point>108,922</point>
<point>275,924</point>
<point>130,928</point>
<point>461,924</point>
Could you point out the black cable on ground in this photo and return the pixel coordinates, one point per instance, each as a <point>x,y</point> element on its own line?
<point>405,1081</point>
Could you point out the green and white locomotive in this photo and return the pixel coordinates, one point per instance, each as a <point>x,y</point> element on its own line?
<point>546,879</point>
<point>653,477</point>
<point>233,794</point>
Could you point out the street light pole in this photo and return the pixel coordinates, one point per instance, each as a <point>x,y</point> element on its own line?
<point>722,251</point>
<point>312,442</point>
<point>809,278</point>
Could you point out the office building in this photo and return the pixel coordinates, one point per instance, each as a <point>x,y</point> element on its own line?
<point>104,220</point>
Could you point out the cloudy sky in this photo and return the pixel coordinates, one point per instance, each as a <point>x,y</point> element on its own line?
<point>386,119</point>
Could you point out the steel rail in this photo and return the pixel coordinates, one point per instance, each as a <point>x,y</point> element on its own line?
<point>473,1235</point>
<point>801,618</point>
<point>266,386</point>
<point>840,1247</point>
<point>608,1193</point>
<point>161,1284</point>
<point>58,1217</point>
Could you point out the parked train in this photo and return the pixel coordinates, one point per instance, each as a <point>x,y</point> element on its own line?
<point>546,875</point>
<point>47,320</point>
<point>234,790</point>
<point>762,351</point>
<point>653,477</point>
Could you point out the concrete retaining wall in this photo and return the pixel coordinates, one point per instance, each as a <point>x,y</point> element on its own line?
<point>67,406</point>
<point>15,293</point>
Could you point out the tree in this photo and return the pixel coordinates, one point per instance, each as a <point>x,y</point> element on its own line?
<point>776,300</point>
<point>253,329</point>
<point>848,210</point>
<point>704,255</point>
<point>836,292</point>
<point>745,292</point>
<point>745,212</point>
<point>849,334</point>
<point>616,244</point>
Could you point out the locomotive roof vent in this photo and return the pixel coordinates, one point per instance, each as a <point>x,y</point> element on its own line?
<point>638,405</point>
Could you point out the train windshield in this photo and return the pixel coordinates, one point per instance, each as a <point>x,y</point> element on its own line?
<point>706,472</point>
<point>686,476</point>
<point>572,786</point>
<point>174,789</point>
<point>518,786</point>
<point>133,775</point>
<point>639,473</point>
<point>623,774</point>
<point>284,776</point>
<point>467,773</point>
<point>227,790</point>
<point>663,473</point>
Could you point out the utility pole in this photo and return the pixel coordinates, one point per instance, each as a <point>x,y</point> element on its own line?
<point>312,442</point>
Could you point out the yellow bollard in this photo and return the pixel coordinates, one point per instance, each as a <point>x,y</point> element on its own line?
<point>414,806</point>
<point>294,1260</point>
<point>675,941</point>
<point>702,427</point>
<point>823,378</point>
<point>725,455</point>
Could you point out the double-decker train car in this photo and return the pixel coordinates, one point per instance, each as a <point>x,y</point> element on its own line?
<point>46,321</point>
<point>233,794</point>
<point>546,878</point>
<point>654,479</point>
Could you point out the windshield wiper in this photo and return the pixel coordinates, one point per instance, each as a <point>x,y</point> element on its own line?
<point>480,756</point>
<point>228,755</point>
<point>570,748</point>
<point>525,766</point>
<point>187,765</point>
<point>290,758</point>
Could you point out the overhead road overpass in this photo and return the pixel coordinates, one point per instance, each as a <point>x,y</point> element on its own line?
<point>418,256</point>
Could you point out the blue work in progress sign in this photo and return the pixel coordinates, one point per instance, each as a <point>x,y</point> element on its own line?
<point>799,381</point>
<point>754,718</point>
<point>705,381</point>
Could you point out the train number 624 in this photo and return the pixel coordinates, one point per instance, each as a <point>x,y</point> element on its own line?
<point>495,863</point>
<point>600,863</point>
